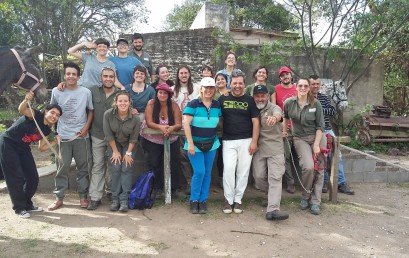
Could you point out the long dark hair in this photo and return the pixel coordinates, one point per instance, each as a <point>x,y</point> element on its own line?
<point>177,82</point>
<point>156,111</point>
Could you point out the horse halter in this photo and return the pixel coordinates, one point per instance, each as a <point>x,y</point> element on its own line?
<point>25,73</point>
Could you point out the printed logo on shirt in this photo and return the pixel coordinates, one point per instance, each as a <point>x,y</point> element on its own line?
<point>235,104</point>
<point>27,138</point>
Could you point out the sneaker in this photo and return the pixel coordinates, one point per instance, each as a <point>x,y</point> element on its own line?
<point>84,203</point>
<point>304,204</point>
<point>290,188</point>
<point>315,209</point>
<point>35,209</point>
<point>325,188</point>
<point>277,215</point>
<point>237,208</point>
<point>93,205</point>
<point>24,214</point>
<point>114,205</point>
<point>55,205</point>
<point>345,189</point>
<point>227,209</point>
<point>202,207</point>
<point>194,207</point>
<point>123,207</point>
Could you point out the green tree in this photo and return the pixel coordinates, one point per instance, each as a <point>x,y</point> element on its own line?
<point>260,14</point>
<point>59,24</point>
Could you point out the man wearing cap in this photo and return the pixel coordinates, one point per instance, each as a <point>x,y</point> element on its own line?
<point>142,55</point>
<point>268,162</point>
<point>286,90</point>
<point>124,63</point>
<point>102,99</point>
<point>241,128</point>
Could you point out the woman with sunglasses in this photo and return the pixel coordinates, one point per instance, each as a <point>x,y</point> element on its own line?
<point>307,121</point>
<point>121,130</point>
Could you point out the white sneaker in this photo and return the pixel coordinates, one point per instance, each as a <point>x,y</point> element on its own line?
<point>35,209</point>
<point>24,214</point>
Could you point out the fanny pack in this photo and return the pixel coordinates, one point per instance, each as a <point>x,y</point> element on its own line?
<point>204,146</point>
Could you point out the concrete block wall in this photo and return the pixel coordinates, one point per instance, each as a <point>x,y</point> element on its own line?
<point>365,168</point>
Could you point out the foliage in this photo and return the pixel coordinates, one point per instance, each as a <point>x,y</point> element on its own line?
<point>60,24</point>
<point>260,14</point>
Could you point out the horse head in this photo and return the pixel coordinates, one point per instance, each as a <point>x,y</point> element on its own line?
<point>336,91</point>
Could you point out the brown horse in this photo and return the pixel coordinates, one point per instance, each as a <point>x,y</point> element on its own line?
<point>26,75</point>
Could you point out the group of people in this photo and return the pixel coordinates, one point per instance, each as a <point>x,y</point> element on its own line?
<point>101,116</point>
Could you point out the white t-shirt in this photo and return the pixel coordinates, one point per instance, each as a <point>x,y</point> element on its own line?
<point>183,98</point>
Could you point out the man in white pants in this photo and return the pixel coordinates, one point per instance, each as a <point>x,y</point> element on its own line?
<point>241,127</point>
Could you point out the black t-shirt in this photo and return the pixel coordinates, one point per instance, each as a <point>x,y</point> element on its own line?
<point>237,114</point>
<point>24,130</point>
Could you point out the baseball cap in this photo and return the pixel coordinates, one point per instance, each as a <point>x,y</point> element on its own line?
<point>208,81</point>
<point>284,69</point>
<point>260,89</point>
<point>122,40</point>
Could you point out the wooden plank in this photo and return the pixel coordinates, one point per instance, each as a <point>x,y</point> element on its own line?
<point>333,182</point>
<point>388,133</point>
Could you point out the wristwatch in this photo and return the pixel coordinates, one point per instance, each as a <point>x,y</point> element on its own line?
<point>129,153</point>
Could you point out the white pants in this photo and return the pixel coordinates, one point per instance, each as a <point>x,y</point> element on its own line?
<point>237,162</point>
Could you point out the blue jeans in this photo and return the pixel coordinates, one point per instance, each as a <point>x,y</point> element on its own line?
<point>202,163</point>
<point>341,175</point>
<point>121,184</point>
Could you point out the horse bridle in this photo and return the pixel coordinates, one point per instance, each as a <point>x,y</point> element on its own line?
<point>25,73</point>
<point>337,94</point>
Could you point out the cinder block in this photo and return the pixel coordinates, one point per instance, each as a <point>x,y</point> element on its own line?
<point>380,169</point>
<point>348,165</point>
<point>375,177</point>
<point>354,177</point>
<point>364,166</point>
<point>395,177</point>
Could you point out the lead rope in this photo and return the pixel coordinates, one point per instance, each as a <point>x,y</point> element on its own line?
<point>57,155</point>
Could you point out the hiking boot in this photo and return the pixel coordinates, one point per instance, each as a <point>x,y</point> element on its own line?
<point>84,203</point>
<point>315,209</point>
<point>290,188</point>
<point>325,188</point>
<point>202,207</point>
<point>277,215</point>
<point>24,214</point>
<point>237,208</point>
<point>93,205</point>
<point>123,206</point>
<point>35,209</point>
<point>345,189</point>
<point>55,205</point>
<point>114,205</point>
<point>304,204</point>
<point>227,209</point>
<point>194,207</point>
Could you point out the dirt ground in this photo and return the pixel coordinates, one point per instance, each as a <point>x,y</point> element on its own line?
<point>373,223</point>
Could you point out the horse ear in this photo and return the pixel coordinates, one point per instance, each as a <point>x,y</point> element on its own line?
<point>34,50</point>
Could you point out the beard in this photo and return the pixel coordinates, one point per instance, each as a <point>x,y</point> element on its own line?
<point>137,48</point>
<point>261,105</point>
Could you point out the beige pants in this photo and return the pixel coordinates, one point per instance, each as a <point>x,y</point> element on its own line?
<point>268,173</point>
<point>303,146</point>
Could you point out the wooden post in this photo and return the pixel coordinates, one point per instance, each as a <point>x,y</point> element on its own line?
<point>166,168</point>
<point>333,182</point>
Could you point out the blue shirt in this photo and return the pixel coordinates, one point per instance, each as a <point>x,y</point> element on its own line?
<point>124,68</point>
<point>204,122</point>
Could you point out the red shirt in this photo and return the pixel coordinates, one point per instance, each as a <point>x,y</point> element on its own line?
<point>284,93</point>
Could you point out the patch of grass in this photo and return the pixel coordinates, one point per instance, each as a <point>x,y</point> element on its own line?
<point>79,248</point>
<point>29,243</point>
<point>8,114</point>
<point>158,246</point>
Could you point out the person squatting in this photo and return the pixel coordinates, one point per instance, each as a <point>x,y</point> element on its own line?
<point>100,117</point>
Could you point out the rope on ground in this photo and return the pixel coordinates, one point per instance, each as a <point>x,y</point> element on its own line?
<point>253,233</point>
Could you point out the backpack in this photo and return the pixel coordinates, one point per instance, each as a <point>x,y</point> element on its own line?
<point>141,194</point>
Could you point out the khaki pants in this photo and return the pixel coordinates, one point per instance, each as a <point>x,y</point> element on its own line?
<point>268,173</point>
<point>303,146</point>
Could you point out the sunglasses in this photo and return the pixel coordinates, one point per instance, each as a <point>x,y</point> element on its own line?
<point>303,86</point>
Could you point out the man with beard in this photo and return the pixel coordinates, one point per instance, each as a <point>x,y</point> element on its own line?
<point>328,111</point>
<point>241,128</point>
<point>268,162</point>
<point>286,90</point>
<point>142,55</point>
<point>102,98</point>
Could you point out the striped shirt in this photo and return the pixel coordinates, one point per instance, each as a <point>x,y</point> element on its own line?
<point>204,122</point>
<point>327,109</point>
